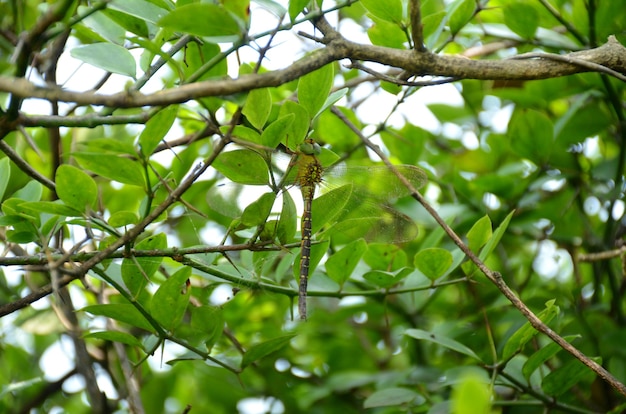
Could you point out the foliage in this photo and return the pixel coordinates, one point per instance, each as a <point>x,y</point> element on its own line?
<point>166,291</point>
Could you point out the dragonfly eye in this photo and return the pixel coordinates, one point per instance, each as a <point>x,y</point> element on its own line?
<point>310,148</point>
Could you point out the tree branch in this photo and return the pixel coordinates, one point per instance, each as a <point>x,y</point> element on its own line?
<point>611,55</point>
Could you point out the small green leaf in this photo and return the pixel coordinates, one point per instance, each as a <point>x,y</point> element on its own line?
<point>441,340</point>
<point>531,134</point>
<point>479,234</point>
<point>123,312</point>
<point>314,88</point>
<point>385,256</point>
<point>387,34</point>
<point>460,12</point>
<point>565,377</point>
<point>433,262</point>
<point>287,223</point>
<point>123,218</point>
<point>170,301</point>
<point>526,332</point>
<point>497,236</point>
<point>393,397</point>
<point>136,271</point>
<point>258,351</point>
<point>389,10</point>
<point>32,191</point>
<point>75,188</point>
<point>521,17</point>
<point>51,207</point>
<point>277,131</point>
<point>21,236</point>
<point>202,19</point>
<point>327,206</point>
<point>471,396</point>
<point>107,56</point>
<point>298,129</point>
<point>386,280</point>
<point>113,167</point>
<point>296,7</point>
<point>258,107</point>
<point>116,336</point>
<point>257,212</point>
<point>538,358</point>
<point>243,133</point>
<point>340,265</point>
<point>156,129</point>
<point>210,321</point>
<point>141,9</point>
<point>5,174</point>
<point>243,166</point>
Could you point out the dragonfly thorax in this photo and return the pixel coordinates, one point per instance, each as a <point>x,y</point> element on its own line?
<point>309,172</point>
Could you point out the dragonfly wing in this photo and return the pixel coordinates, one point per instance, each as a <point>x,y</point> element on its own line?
<point>378,224</point>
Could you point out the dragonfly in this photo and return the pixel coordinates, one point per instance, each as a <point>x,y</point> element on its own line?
<point>385,224</point>
<point>357,209</point>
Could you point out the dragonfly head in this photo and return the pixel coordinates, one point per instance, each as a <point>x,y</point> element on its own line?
<point>310,147</point>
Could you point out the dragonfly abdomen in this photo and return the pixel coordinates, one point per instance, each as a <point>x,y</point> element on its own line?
<point>309,175</point>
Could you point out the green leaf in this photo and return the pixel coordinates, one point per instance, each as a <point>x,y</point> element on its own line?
<point>526,332</point>
<point>51,207</point>
<point>314,88</point>
<point>532,135</point>
<point>538,358</point>
<point>210,321</point>
<point>32,191</point>
<point>471,396</point>
<point>393,397</point>
<point>460,12</point>
<point>243,166</point>
<point>479,234</point>
<point>156,129</point>
<point>256,213</point>
<point>386,280</point>
<point>296,7</point>
<point>340,265</point>
<point>116,336</point>
<point>497,236</point>
<point>136,271</point>
<point>123,312</point>
<point>5,174</point>
<point>258,351</point>
<point>296,131</point>
<point>258,107</point>
<point>441,340</point>
<point>113,167</point>
<point>287,223</point>
<point>521,17</point>
<point>243,133</point>
<point>202,19</point>
<point>277,131</point>
<point>141,9</point>
<point>387,34</point>
<point>389,10</point>
<point>565,377</point>
<point>123,218</point>
<point>170,301</point>
<point>385,256</point>
<point>107,56</point>
<point>327,206</point>
<point>75,188</point>
<point>433,262</point>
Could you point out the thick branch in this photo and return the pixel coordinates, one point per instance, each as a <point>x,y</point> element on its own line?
<point>611,55</point>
